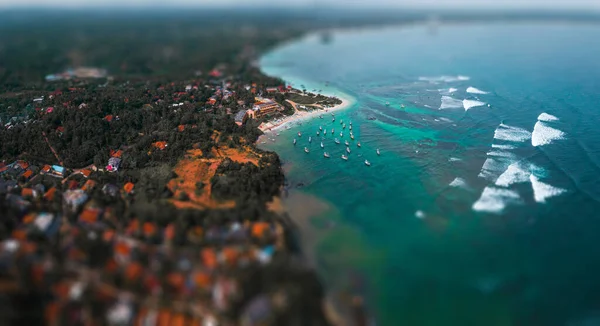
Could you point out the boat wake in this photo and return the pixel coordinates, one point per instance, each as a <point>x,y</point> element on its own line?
<point>474,90</point>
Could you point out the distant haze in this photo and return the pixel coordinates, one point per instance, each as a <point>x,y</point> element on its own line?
<point>429,4</point>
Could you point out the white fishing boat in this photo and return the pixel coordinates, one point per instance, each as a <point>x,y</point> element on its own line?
<point>326,155</point>
<point>350,122</point>
<point>288,127</point>
<point>341,134</point>
<point>348,150</point>
<point>402,106</point>
<point>332,131</point>
<point>378,153</point>
<point>294,141</point>
<point>350,127</point>
<point>321,116</point>
<point>306,150</point>
<point>352,137</point>
<point>358,144</point>
<point>299,134</point>
<point>317,133</point>
<point>320,128</point>
<point>341,122</point>
<point>333,120</point>
<point>278,134</point>
<point>346,142</point>
<point>322,146</point>
<point>344,126</point>
<point>309,139</point>
<point>337,141</point>
<point>344,157</point>
<point>387,103</point>
<point>367,163</point>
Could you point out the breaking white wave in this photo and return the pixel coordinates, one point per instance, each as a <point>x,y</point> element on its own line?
<point>493,167</point>
<point>547,117</point>
<point>468,104</point>
<point>444,79</point>
<point>459,183</point>
<point>450,103</point>
<point>500,154</point>
<point>499,146</point>
<point>515,173</point>
<point>544,134</point>
<point>474,90</point>
<point>494,200</point>
<point>543,191</point>
<point>510,133</point>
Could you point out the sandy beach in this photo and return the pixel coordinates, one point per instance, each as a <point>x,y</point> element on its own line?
<point>304,115</point>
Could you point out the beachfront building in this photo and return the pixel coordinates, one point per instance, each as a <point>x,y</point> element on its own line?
<point>264,106</point>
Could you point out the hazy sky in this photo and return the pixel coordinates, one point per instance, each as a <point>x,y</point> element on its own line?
<point>545,4</point>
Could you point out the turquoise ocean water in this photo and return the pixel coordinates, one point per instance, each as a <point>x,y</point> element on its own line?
<point>483,207</point>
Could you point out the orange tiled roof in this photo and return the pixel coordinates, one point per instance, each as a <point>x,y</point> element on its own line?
<point>24,165</point>
<point>28,218</point>
<point>46,168</point>
<point>88,185</point>
<point>133,271</point>
<point>209,258</point>
<point>259,228</point>
<point>116,154</point>
<point>89,215</point>
<point>181,127</point>
<point>149,229</point>
<point>108,117</point>
<point>27,192</point>
<point>86,172</point>
<point>27,174</point>
<point>49,195</point>
<point>128,187</point>
<point>160,145</point>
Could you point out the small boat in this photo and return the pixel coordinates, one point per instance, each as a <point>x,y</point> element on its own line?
<point>310,139</point>
<point>352,137</point>
<point>317,133</point>
<point>358,145</point>
<point>320,128</point>
<point>341,122</point>
<point>288,127</point>
<point>378,153</point>
<point>278,134</point>
<point>337,141</point>
<point>322,146</point>
<point>387,103</point>
<point>294,141</point>
<point>299,134</point>
<point>402,106</point>
<point>350,127</point>
<point>367,163</point>
<point>348,150</point>
<point>326,155</point>
<point>333,120</point>
<point>346,142</point>
<point>332,131</point>
<point>306,150</point>
<point>344,157</point>
<point>341,134</point>
<point>263,142</point>
<point>321,116</point>
<point>350,122</point>
<point>333,115</point>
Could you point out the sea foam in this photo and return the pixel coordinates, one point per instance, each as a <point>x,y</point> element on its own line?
<point>515,173</point>
<point>543,191</point>
<point>493,167</point>
<point>450,103</point>
<point>474,90</point>
<point>510,133</point>
<point>544,134</point>
<point>459,183</point>
<point>444,79</point>
<point>494,200</point>
<point>468,104</point>
<point>502,146</point>
<point>547,117</point>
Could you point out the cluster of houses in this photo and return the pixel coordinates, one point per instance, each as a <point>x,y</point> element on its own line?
<point>140,272</point>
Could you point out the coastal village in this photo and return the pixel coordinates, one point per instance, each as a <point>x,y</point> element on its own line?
<point>69,245</point>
